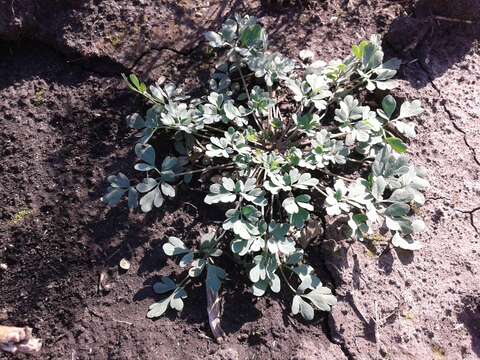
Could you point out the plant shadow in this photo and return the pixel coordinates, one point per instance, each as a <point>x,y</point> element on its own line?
<point>470,318</point>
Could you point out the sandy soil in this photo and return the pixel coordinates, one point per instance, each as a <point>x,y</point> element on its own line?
<point>62,109</point>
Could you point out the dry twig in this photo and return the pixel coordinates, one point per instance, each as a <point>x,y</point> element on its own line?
<point>214,309</point>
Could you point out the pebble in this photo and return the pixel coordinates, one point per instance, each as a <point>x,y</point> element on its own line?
<point>3,267</point>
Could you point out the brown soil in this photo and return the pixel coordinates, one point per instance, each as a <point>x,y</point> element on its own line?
<point>62,110</point>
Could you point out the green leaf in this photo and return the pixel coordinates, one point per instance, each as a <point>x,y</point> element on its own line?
<point>153,198</point>
<point>251,35</point>
<point>359,218</point>
<point>176,302</point>
<point>197,267</point>
<point>135,121</point>
<point>301,306</point>
<point>260,287</point>
<point>358,50</point>
<point>409,109</point>
<point>397,144</point>
<point>295,257</point>
<point>143,167</point>
<point>132,198</point>
<point>146,185</point>
<point>174,246</point>
<point>158,309</point>
<point>113,197</point>
<point>214,39</point>
<point>322,298</point>
<point>402,195</point>
<point>215,275</point>
<point>169,163</point>
<point>134,80</point>
<point>146,153</point>
<point>165,285</point>
<point>389,105</point>
<point>186,259</point>
<point>290,205</point>
<point>119,181</point>
<point>397,210</point>
<point>406,243</point>
<point>167,189</point>
<point>298,219</point>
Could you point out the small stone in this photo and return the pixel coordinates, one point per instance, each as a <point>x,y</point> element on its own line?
<point>124,264</point>
<point>3,267</point>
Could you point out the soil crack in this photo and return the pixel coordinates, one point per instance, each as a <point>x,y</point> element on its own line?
<point>449,114</point>
<point>471,214</point>
<point>458,128</point>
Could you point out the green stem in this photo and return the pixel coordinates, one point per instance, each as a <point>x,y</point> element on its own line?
<point>213,129</point>
<point>259,124</point>
<point>201,170</point>
<point>184,282</point>
<point>203,136</point>
<point>320,190</point>
<point>327,172</point>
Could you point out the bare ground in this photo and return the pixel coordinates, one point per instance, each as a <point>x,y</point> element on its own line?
<point>62,131</point>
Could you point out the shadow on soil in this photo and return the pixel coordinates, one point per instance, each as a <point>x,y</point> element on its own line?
<point>470,318</point>
<point>436,36</point>
<point>75,145</point>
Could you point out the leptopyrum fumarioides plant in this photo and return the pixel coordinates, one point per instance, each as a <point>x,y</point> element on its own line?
<point>293,143</point>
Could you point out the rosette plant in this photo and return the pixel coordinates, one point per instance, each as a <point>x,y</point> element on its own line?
<point>293,144</point>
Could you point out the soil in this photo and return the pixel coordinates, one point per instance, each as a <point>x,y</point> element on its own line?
<point>62,131</point>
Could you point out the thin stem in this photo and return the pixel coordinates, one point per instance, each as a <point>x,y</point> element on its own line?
<point>320,190</point>
<point>259,124</point>
<point>213,129</point>
<point>146,94</point>
<point>221,235</point>
<point>257,145</point>
<point>201,145</point>
<point>349,90</point>
<point>202,170</point>
<point>202,136</point>
<point>271,207</point>
<point>336,136</point>
<point>184,282</point>
<point>335,175</point>
<point>245,75</point>
<point>359,161</point>
<point>286,280</point>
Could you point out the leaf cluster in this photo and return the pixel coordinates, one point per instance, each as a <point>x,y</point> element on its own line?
<point>293,142</point>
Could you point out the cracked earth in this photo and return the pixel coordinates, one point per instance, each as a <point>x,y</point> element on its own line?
<point>62,110</point>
